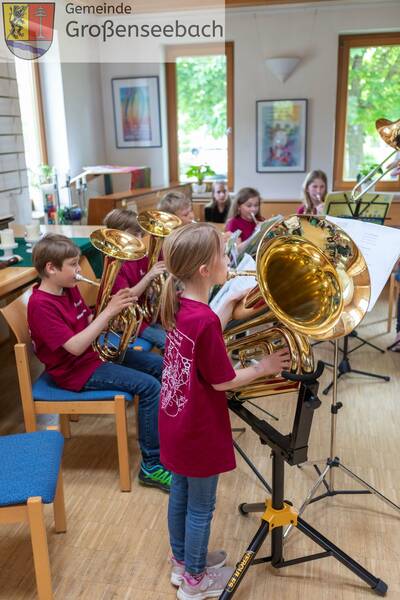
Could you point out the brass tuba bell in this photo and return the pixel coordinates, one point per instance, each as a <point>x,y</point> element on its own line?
<point>313,282</point>
<point>117,247</point>
<point>389,131</point>
<point>158,225</point>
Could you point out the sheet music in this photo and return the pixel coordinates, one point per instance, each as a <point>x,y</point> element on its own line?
<point>380,246</point>
<point>241,283</point>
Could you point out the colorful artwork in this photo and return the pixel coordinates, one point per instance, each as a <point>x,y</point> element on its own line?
<point>137,112</point>
<point>281,135</point>
<point>135,108</point>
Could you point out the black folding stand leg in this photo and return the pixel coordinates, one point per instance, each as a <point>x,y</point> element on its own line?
<point>276,516</point>
<point>376,584</point>
<point>252,467</point>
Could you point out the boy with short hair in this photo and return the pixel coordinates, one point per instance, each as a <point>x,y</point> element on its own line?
<point>177,204</point>
<point>63,329</point>
<point>134,274</point>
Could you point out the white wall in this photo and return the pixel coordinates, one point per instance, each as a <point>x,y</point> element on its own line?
<point>155,158</point>
<point>309,32</point>
<point>312,34</point>
<point>74,119</point>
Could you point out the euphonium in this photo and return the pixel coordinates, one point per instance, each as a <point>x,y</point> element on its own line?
<point>389,131</point>
<point>117,246</point>
<point>313,282</point>
<point>158,225</point>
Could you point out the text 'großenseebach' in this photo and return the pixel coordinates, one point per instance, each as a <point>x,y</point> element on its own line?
<point>109,29</point>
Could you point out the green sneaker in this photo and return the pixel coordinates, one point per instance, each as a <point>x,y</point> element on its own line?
<point>156,476</point>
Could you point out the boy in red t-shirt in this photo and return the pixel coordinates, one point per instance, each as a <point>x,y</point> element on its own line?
<point>195,431</point>
<point>177,204</point>
<point>63,329</point>
<point>134,274</point>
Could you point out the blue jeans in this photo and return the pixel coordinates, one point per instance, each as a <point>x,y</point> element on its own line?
<point>139,374</point>
<point>190,510</point>
<point>156,335</point>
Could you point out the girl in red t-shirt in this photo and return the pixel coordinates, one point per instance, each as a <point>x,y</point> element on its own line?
<point>315,187</point>
<point>245,215</point>
<point>195,432</point>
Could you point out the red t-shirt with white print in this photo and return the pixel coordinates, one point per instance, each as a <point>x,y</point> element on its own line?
<point>53,320</point>
<point>129,275</point>
<point>194,425</point>
<point>246,227</point>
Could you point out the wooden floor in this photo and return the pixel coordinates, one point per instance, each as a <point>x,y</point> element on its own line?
<point>116,546</point>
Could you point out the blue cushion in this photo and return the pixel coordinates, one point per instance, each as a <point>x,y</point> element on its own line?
<point>141,344</point>
<point>45,389</point>
<point>29,466</point>
<point>138,344</point>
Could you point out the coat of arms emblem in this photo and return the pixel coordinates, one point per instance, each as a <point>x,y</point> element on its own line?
<point>28,28</point>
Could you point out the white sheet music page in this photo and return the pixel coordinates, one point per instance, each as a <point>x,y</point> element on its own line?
<point>380,246</point>
<point>241,283</point>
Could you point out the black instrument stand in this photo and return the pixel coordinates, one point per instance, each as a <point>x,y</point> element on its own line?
<point>291,448</point>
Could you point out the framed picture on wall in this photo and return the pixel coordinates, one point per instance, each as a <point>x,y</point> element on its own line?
<point>281,136</point>
<point>137,119</point>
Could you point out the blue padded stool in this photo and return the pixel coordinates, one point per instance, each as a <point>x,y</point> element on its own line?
<point>30,476</point>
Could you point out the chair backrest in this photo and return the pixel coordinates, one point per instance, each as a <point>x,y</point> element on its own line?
<point>89,292</point>
<point>15,314</point>
<point>28,366</point>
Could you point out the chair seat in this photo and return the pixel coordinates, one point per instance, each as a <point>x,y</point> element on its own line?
<point>29,466</point>
<point>139,344</point>
<point>46,390</point>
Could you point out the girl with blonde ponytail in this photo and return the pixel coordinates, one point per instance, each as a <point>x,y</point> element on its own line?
<point>195,431</point>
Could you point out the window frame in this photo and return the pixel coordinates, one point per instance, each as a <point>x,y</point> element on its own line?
<point>172,53</point>
<point>346,42</point>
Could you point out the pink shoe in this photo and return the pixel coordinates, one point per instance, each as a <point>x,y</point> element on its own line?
<point>215,560</point>
<point>210,585</point>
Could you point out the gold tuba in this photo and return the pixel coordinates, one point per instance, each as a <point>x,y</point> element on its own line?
<point>313,282</point>
<point>389,131</point>
<point>117,247</point>
<point>158,225</point>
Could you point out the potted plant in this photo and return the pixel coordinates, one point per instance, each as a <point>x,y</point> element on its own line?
<point>199,172</point>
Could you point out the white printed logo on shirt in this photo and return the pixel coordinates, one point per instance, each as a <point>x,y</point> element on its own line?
<point>178,362</point>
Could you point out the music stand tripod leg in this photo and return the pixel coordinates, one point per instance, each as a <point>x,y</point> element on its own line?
<point>333,461</point>
<point>345,367</point>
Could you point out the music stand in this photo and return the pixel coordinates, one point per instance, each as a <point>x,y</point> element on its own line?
<point>372,208</point>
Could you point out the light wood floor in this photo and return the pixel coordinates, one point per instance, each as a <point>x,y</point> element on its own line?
<point>116,546</point>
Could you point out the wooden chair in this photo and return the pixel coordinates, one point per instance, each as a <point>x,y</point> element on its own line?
<point>44,397</point>
<point>394,291</point>
<point>30,476</point>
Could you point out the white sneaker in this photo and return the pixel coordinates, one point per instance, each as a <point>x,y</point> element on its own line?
<point>215,560</point>
<point>211,585</point>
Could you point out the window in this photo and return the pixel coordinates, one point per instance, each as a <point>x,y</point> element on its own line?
<point>200,109</point>
<point>368,89</point>
<point>27,74</point>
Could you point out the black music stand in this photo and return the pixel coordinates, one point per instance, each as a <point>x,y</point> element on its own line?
<point>372,208</point>
<point>277,513</point>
